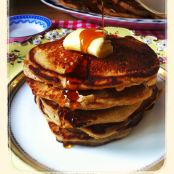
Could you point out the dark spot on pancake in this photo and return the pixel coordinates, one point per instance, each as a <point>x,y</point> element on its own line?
<point>37,72</point>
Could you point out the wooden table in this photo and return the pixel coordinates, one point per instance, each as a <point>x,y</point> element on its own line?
<point>36,7</point>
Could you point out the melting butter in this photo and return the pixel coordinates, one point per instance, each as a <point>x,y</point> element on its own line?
<point>90,41</point>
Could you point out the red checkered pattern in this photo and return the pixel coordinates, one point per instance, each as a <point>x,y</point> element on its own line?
<point>160,34</point>
<point>74,24</point>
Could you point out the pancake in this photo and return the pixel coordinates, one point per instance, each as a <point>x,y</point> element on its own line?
<point>66,118</point>
<point>100,131</point>
<point>90,99</point>
<point>97,131</point>
<point>105,130</point>
<point>66,136</point>
<point>127,66</point>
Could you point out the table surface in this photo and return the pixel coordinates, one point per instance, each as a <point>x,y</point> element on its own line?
<point>36,7</point>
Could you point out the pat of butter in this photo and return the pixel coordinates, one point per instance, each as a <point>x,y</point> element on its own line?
<point>99,47</point>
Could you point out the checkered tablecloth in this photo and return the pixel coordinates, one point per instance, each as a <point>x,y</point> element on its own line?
<point>160,34</point>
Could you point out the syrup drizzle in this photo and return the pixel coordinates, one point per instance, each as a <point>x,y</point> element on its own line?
<point>72,96</point>
<point>87,36</point>
<point>73,81</point>
<point>103,22</point>
<point>67,145</point>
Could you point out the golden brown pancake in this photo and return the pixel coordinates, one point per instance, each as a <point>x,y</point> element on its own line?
<point>105,130</point>
<point>95,131</point>
<point>132,63</point>
<point>76,137</point>
<point>66,118</point>
<point>90,99</point>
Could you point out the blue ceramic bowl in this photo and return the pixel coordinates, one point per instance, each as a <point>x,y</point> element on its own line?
<point>22,27</point>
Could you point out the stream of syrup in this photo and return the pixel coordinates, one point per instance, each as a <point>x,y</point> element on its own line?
<point>80,73</point>
<point>103,22</point>
<point>72,96</point>
<point>67,145</point>
<point>88,35</point>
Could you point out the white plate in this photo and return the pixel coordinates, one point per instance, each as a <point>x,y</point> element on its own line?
<point>142,149</point>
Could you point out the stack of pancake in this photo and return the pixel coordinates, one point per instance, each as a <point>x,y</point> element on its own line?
<point>88,100</point>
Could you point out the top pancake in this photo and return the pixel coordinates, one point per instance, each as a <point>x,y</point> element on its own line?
<point>132,62</point>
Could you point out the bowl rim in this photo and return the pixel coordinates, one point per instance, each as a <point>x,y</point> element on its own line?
<point>23,16</point>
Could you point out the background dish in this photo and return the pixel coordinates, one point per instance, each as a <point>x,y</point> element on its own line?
<point>114,21</point>
<point>32,139</point>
